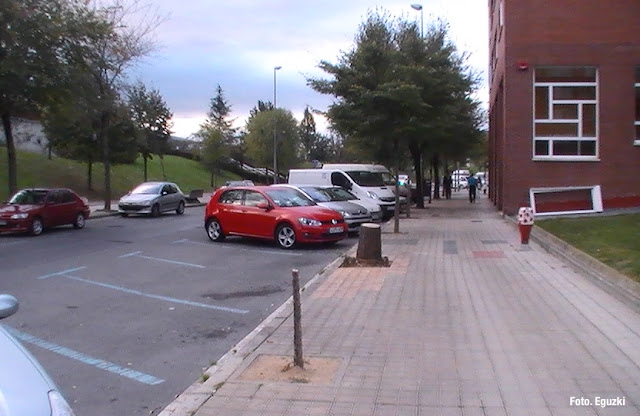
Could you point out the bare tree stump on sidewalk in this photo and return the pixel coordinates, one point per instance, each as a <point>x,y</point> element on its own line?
<point>370,243</point>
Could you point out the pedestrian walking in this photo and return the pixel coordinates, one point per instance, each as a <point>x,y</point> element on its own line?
<point>446,184</point>
<point>472,181</point>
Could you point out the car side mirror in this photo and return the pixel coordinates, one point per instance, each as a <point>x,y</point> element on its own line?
<point>264,205</point>
<point>8,305</point>
<point>164,193</point>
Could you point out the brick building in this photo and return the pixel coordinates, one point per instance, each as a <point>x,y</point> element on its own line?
<point>564,118</point>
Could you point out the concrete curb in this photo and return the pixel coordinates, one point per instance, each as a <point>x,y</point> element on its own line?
<point>97,214</point>
<point>606,277</point>
<point>188,402</point>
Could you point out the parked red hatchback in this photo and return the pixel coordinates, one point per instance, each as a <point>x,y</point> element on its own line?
<point>33,210</point>
<point>277,213</point>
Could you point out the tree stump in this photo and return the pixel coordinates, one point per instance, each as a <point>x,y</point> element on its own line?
<point>370,243</point>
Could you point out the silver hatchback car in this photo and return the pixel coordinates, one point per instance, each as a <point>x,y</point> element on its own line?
<point>326,196</point>
<point>153,198</point>
<point>25,388</point>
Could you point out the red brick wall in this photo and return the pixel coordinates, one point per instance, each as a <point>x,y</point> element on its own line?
<point>568,32</point>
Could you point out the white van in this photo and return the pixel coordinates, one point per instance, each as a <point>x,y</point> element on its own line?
<point>355,170</point>
<point>365,184</point>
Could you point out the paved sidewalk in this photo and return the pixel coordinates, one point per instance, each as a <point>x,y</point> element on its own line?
<point>466,321</point>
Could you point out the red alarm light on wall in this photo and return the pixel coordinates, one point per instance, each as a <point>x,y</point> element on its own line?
<point>522,65</point>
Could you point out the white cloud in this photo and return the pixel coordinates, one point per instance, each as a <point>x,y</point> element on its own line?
<point>237,44</point>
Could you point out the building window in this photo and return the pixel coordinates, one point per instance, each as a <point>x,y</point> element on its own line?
<point>637,122</point>
<point>566,113</point>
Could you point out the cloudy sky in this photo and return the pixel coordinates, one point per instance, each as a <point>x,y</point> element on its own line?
<point>238,43</point>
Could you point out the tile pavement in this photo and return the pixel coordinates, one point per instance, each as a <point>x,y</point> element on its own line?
<point>466,321</point>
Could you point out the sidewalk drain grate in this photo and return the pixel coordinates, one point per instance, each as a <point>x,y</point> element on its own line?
<point>476,220</point>
<point>450,247</point>
<point>411,242</point>
<point>493,241</point>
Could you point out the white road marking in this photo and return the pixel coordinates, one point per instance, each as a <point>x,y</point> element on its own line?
<point>87,359</point>
<point>238,248</point>
<point>180,263</point>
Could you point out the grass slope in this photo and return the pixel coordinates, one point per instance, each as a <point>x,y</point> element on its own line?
<point>613,239</point>
<point>36,170</point>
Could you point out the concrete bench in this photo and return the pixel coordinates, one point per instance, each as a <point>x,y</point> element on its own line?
<point>194,194</point>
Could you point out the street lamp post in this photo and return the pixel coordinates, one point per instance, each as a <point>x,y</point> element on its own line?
<point>275,130</point>
<point>418,7</point>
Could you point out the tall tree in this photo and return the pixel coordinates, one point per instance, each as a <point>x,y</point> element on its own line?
<point>397,92</point>
<point>106,55</point>
<point>259,138</point>
<point>374,101</point>
<point>308,134</point>
<point>218,116</point>
<point>214,151</point>
<point>152,119</point>
<point>33,35</point>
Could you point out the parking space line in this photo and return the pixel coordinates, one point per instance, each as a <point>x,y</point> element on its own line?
<point>11,243</point>
<point>198,243</point>
<point>180,263</point>
<point>87,359</point>
<point>62,273</point>
<point>159,297</point>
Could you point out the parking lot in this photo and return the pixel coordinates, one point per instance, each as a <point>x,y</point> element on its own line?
<point>127,313</point>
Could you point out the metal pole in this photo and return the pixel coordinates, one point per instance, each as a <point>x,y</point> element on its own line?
<point>275,128</point>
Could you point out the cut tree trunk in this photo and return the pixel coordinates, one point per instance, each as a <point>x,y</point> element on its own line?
<point>370,243</point>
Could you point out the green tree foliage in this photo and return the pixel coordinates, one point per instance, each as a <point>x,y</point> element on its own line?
<point>33,42</point>
<point>259,138</point>
<point>260,107</point>
<point>308,135</point>
<point>111,46</point>
<point>217,134</point>
<point>214,151</point>
<point>398,94</point>
<point>218,116</point>
<point>152,118</point>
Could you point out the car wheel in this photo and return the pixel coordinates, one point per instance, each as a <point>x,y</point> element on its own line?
<point>214,230</point>
<point>286,236</point>
<point>124,214</point>
<point>36,226</point>
<point>155,210</point>
<point>79,222</point>
<point>180,209</point>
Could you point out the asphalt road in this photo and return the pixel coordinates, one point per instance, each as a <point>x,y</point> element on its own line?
<point>128,312</point>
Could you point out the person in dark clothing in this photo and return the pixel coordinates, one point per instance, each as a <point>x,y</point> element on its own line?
<point>446,184</point>
<point>472,181</point>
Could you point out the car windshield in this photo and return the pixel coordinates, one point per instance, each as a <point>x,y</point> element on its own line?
<point>388,179</point>
<point>29,197</point>
<point>328,194</point>
<point>147,188</point>
<point>289,197</point>
<point>366,178</point>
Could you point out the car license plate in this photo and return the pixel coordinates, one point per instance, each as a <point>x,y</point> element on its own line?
<point>3,222</point>
<point>335,230</point>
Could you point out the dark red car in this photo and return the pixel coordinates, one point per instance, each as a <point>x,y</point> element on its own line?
<point>278,213</point>
<point>33,210</point>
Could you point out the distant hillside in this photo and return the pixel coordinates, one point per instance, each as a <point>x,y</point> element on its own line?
<point>35,169</point>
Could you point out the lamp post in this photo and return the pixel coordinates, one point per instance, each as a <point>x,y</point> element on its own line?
<point>418,7</point>
<point>275,130</point>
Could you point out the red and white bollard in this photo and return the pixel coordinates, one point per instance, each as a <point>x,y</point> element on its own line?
<point>525,223</point>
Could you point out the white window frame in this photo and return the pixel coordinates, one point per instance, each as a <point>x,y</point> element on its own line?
<point>596,199</point>
<point>578,121</point>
